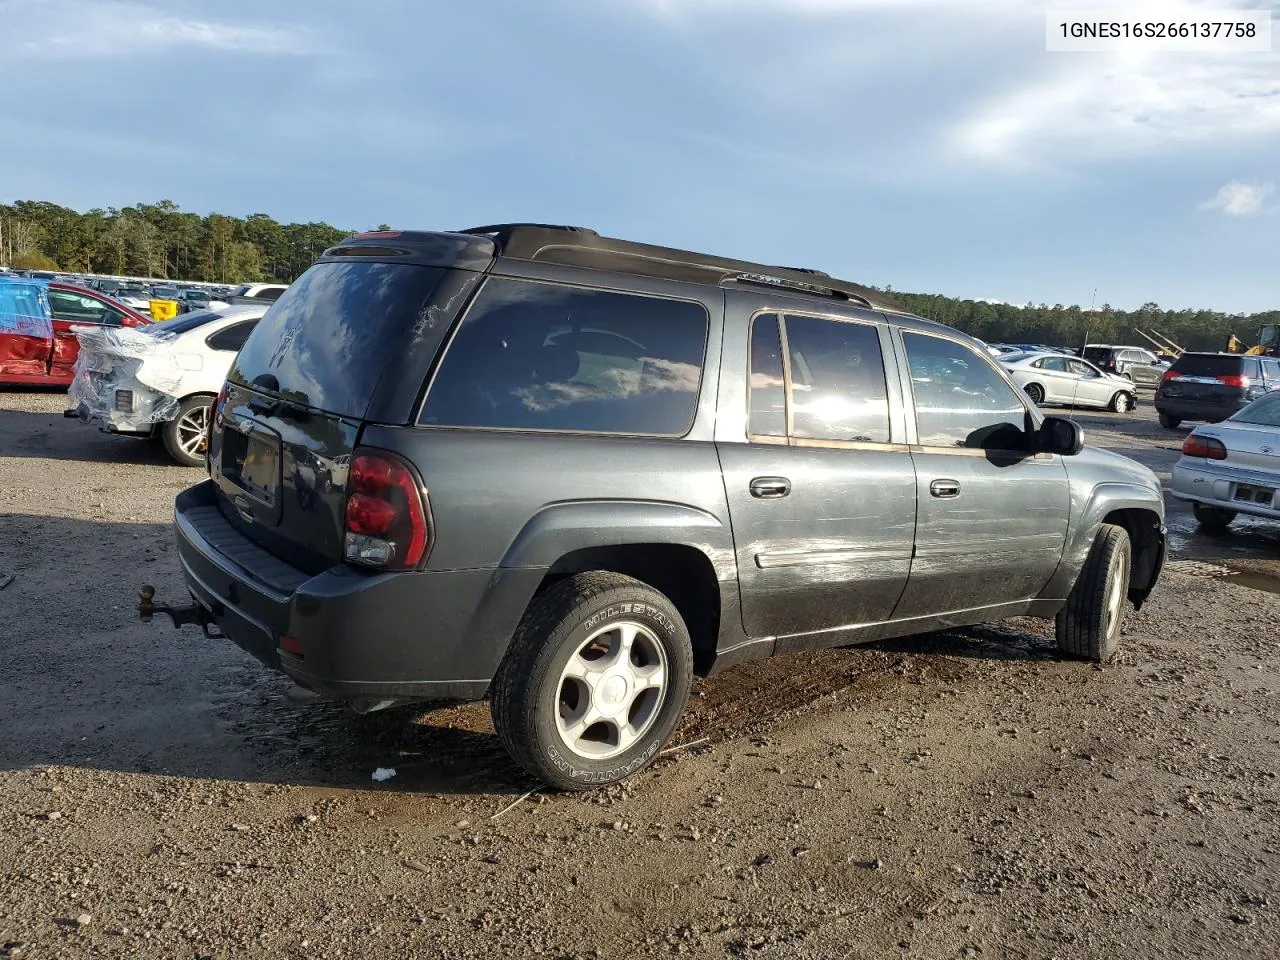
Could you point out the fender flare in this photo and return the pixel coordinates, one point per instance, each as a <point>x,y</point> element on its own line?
<point>561,528</point>
<point>1105,498</point>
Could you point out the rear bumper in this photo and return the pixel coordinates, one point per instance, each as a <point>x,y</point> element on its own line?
<point>1211,411</point>
<point>412,636</point>
<point>1216,487</point>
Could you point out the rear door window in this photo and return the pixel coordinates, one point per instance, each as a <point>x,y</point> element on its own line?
<point>768,416</point>
<point>541,356</point>
<point>837,380</point>
<point>326,342</point>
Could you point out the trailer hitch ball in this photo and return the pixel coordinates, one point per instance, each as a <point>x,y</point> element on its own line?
<point>146,606</point>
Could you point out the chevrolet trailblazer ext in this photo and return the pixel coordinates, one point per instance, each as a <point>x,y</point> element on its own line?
<point>571,472</point>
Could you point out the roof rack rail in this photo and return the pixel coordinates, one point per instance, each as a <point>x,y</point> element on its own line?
<point>765,280</point>
<point>581,247</point>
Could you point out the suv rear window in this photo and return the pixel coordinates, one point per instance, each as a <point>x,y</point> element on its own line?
<point>327,340</point>
<point>1215,365</point>
<point>538,356</point>
<point>1096,354</point>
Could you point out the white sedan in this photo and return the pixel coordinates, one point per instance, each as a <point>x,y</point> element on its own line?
<point>1233,466</point>
<point>161,379</point>
<point>1050,378</point>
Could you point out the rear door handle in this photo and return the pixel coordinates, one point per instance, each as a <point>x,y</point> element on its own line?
<point>945,489</point>
<point>770,488</point>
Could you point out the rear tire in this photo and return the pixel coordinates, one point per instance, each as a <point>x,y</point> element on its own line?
<point>184,435</point>
<point>1088,625</point>
<point>570,660</point>
<point>1213,519</point>
<point>1122,402</point>
<point>1169,421</point>
<point>1036,393</point>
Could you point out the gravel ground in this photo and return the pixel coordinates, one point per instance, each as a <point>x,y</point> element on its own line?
<point>959,794</point>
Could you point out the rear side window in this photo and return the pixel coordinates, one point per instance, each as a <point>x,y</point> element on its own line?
<point>1215,365</point>
<point>1271,369</point>
<point>326,342</point>
<point>960,400</point>
<point>231,338</point>
<point>837,381</point>
<point>539,356</point>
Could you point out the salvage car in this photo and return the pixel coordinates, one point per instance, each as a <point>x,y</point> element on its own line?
<point>571,472</point>
<point>160,380</point>
<point>1233,467</point>
<point>26,331</point>
<point>52,361</point>
<point>1052,378</point>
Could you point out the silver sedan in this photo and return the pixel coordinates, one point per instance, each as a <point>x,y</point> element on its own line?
<point>1233,466</point>
<point>1053,378</point>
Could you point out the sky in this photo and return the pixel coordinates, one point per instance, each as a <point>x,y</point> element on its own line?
<point>928,145</point>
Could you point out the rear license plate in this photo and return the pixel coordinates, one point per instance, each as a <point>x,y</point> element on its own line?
<point>1250,494</point>
<point>252,461</point>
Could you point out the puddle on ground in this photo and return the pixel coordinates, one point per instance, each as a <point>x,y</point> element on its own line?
<point>1241,573</point>
<point>1254,580</point>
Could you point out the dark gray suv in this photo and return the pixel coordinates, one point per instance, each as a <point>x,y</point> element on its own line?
<point>571,473</point>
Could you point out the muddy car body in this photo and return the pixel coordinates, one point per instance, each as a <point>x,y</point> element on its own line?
<point>570,472</point>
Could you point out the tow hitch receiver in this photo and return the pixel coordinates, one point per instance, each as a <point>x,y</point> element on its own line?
<point>192,613</point>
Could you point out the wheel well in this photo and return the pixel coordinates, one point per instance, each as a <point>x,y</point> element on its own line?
<point>1143,527</point>
<point>682,573</point>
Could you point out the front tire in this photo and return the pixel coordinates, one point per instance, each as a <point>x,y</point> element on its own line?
<point>594,682</point>
<point>1121,403</point>
<point>1036,393</point>
<point>1088,625</point>
<point>1169,421</point>
<point>184,435</point>
<point>1213,519</point>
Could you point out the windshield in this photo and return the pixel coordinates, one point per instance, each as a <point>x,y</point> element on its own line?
<point>328,338</point>
<point>1264,412</point>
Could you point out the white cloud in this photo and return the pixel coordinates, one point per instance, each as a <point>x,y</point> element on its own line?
<point>1239,199</point>
<point>1097,106</point>
<point>1104,106</point>
<point>60,29</point>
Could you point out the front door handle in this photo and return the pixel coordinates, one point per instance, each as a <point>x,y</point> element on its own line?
<point>945,489</point>
<point>770,488</point>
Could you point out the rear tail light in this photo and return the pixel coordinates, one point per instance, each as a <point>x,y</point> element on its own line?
<point>1169,375</point>
<point>214,421</point>
<point>1206,447</point>
<point>1235,380</point>
<point>386,513</point>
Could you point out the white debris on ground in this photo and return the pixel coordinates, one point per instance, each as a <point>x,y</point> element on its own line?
<point>383,773</point>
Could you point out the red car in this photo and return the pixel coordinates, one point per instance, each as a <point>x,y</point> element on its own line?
<point>51,363</point>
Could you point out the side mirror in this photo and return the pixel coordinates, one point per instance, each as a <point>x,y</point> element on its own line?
<point>1059,435</point>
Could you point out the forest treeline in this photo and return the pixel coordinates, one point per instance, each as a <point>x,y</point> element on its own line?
<point>160,240</point>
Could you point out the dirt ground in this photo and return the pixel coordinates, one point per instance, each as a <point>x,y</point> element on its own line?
<point>962,794</point>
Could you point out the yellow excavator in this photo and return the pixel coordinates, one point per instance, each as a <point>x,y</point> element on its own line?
<point>1268,344</point>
